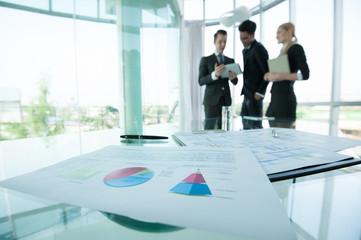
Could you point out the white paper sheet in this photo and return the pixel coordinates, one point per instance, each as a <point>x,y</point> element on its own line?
<point>290,150</point>
<point>229,192</point>
<point>325,142</point>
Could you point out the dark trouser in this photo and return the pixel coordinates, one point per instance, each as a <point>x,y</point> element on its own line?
<point>214,115</point>
<point>253,108</point>
<point>282,124</point>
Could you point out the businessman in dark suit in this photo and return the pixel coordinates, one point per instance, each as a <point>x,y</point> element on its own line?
<point>255,58</point>
<point>217,93</point>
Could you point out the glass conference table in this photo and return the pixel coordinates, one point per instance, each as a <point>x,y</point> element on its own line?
<point>321,206</point>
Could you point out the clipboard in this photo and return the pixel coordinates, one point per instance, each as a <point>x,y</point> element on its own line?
<point>279,65</point>
<point>232,67</point>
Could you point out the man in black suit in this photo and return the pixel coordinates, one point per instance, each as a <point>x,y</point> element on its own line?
<point>217,93</point>
<point>255,58</point>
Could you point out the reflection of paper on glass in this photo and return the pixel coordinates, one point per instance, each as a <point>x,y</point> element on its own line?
<point>222,190</point>
<point>233,67</point>
<point>279,65</point>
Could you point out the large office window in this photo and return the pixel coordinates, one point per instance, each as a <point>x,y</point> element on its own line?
<point>193,10</point>
<point>248,3</point>
<point>214,10</point>
<point>319,53</point>
<point>60,88</point>
<point>40,4</point>
<point>351,80</point>
<point>273,18</point>
<point>160,79</point>
<point>318,49</point>
<point>350,116</point>
<point>66,79</point>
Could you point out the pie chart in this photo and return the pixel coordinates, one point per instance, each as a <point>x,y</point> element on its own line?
<point>128,177</point>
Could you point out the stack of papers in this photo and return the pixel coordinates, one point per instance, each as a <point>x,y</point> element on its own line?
<point>218,183</point>
<point>288,150</point>
<point>222,190</point>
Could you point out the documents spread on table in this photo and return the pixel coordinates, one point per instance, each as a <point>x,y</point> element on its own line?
<point>287,150</point>
<point>223,190</point>
<point>331,143</point>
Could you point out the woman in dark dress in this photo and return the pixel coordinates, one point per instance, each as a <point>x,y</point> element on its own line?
<point>283,99</point>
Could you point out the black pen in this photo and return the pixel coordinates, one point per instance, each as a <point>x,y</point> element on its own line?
<point>143,137</point>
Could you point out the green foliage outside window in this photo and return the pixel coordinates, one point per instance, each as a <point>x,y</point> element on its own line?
<point>41,118</point>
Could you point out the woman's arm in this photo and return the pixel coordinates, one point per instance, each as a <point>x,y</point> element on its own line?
<point>275,77</point>
<point>298,57</point>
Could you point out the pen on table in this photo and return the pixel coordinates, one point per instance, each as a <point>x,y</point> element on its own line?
<point>143,137</point>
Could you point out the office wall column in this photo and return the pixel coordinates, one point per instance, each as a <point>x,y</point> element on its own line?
<point>292,11</point>
<point>261,21</point>
<point>337,58</point>
<point>129,21</point>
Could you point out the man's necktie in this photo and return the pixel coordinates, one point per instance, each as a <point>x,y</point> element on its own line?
<point>245,52</point>
<point>221,61</point>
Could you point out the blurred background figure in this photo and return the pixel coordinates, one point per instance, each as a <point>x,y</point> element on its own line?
<point>217,93</point>
<point>283,99</point>
<point>255,58</point>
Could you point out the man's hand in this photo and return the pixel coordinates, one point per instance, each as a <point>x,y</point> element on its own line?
<point>257,97</point>
<point>219,69</point>
<point>232,75</point>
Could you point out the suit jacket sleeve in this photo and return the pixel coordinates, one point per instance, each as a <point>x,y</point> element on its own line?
<point>298,61</point>
<point>204,76</point>
<point>261,57</point>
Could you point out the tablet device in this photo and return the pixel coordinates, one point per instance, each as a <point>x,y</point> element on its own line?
<point>233,67</point>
